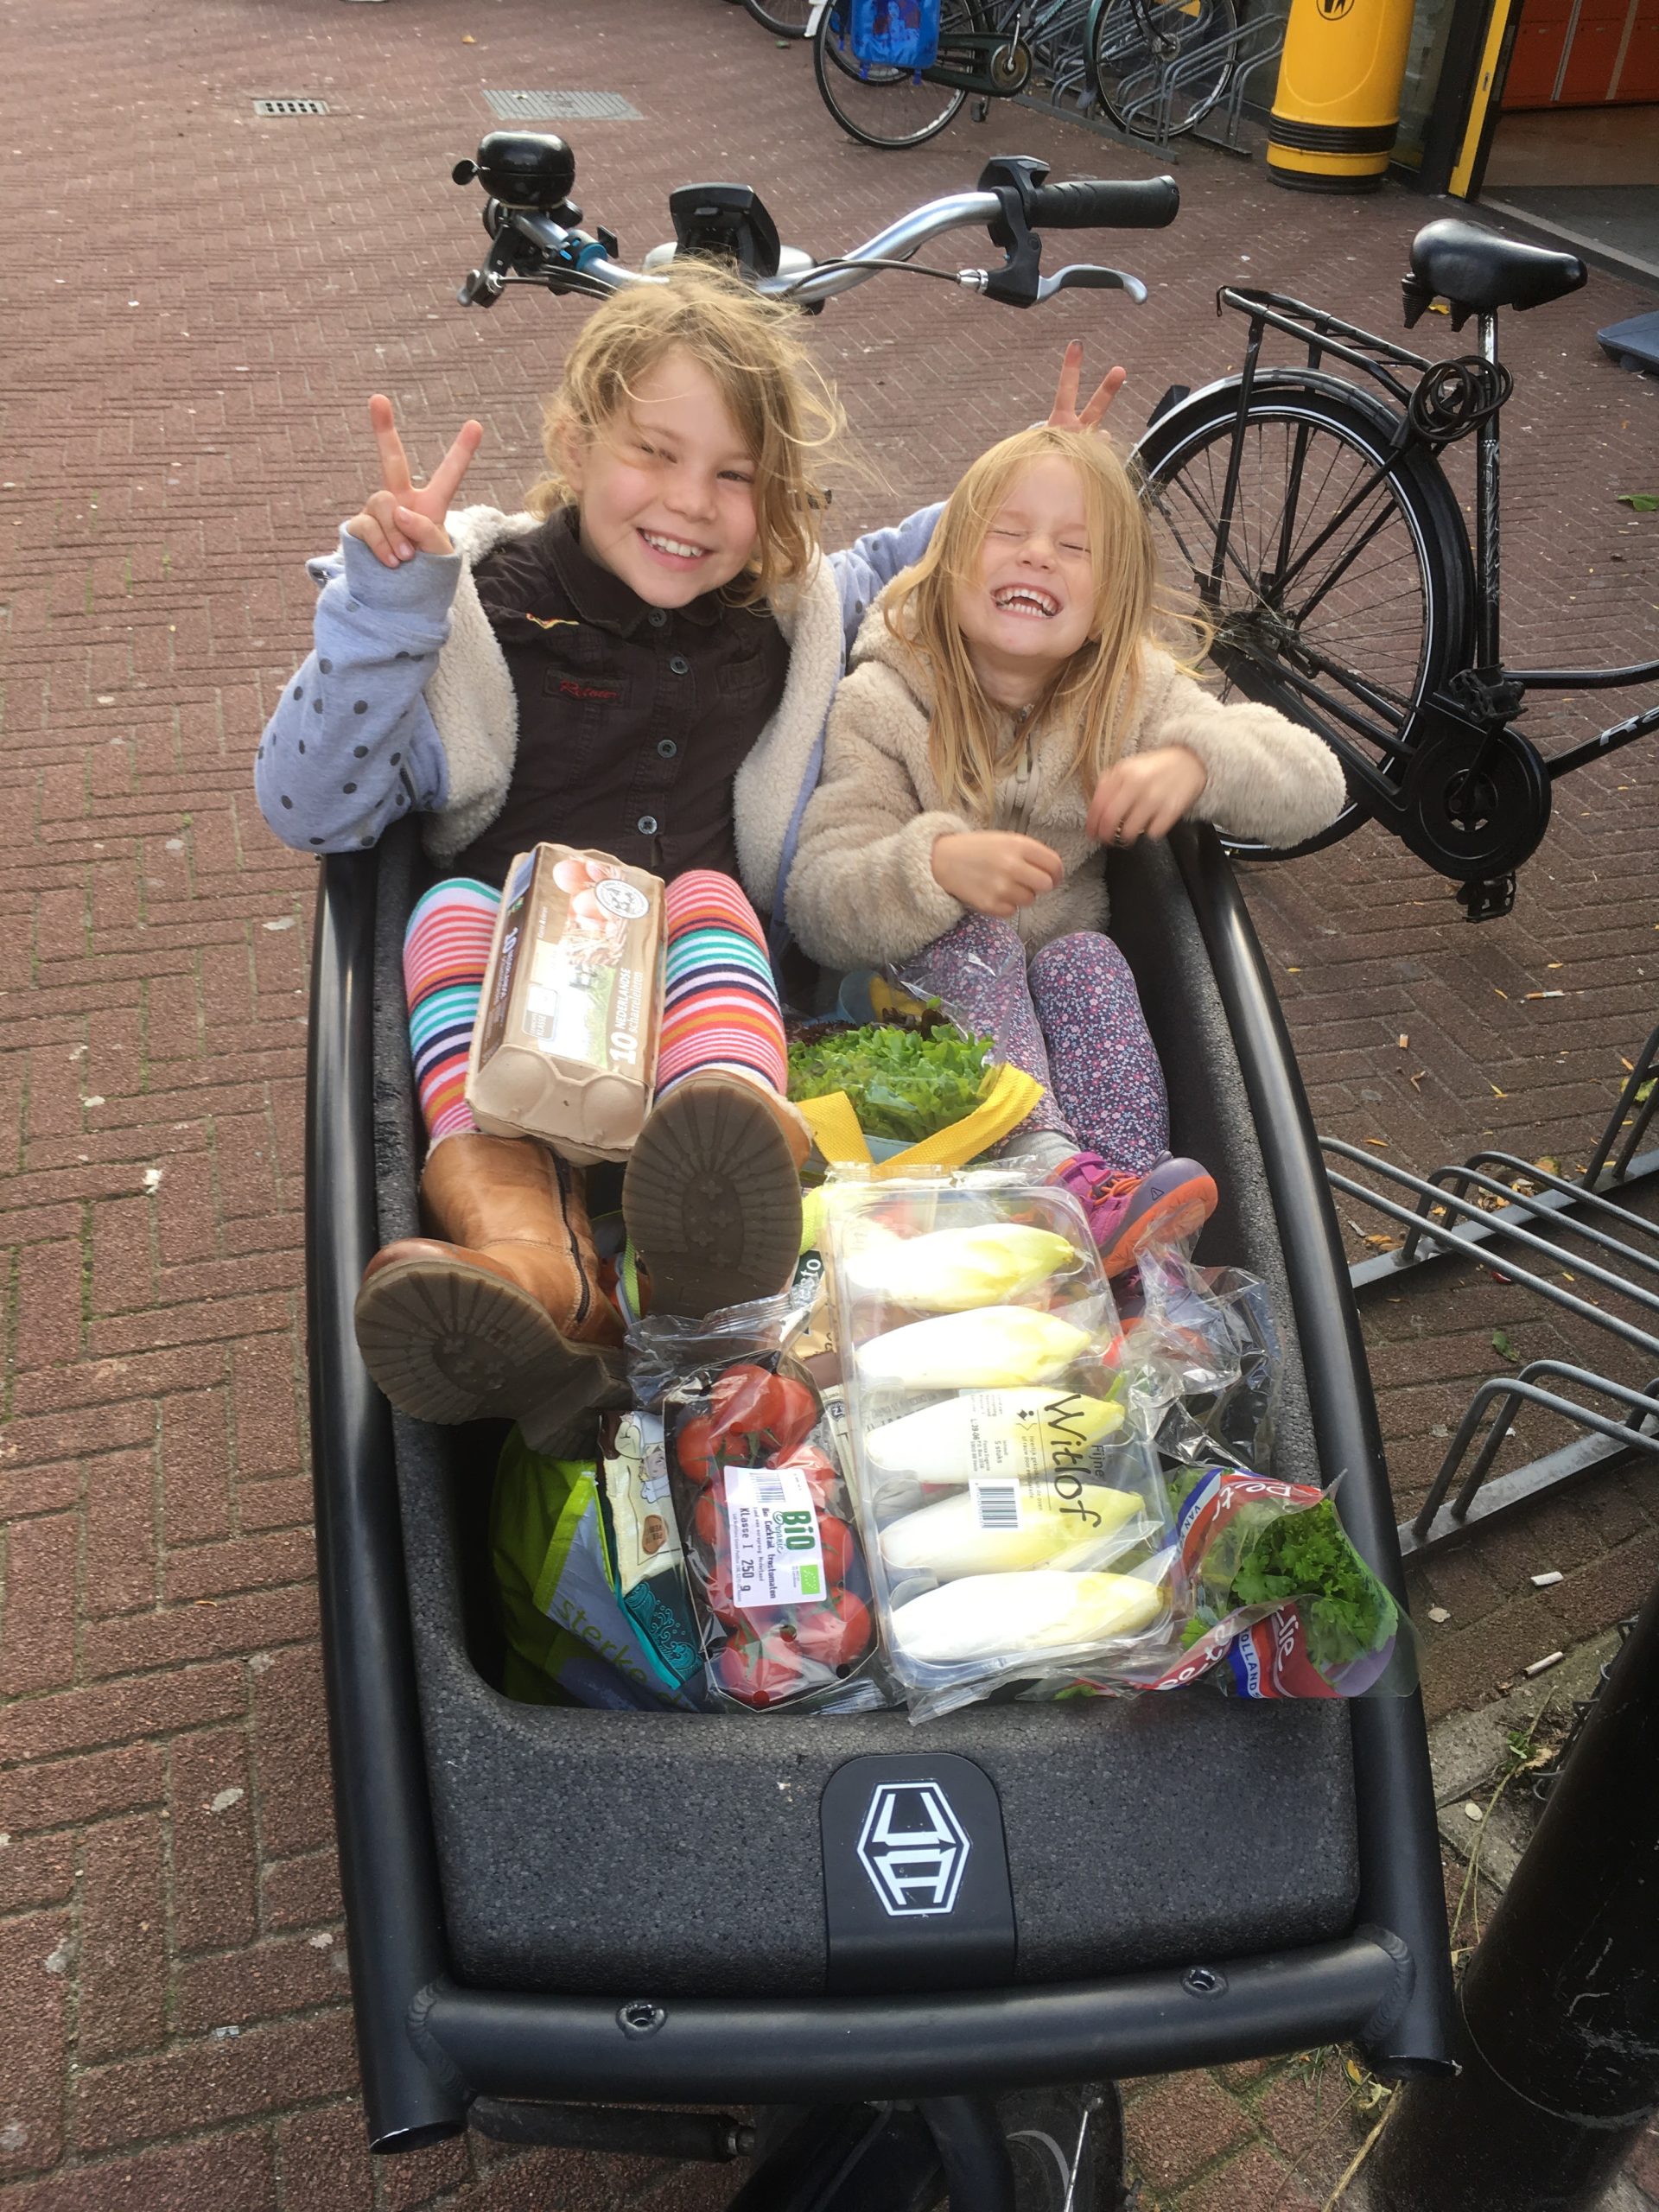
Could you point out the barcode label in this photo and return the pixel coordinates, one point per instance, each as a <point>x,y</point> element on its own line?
<point>996,1505</point>
<point>777,1553</point>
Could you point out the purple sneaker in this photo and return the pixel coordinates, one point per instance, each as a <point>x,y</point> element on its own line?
<point>1172,1201</point>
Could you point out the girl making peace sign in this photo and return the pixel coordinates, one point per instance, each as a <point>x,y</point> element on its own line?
<point>642,661</point>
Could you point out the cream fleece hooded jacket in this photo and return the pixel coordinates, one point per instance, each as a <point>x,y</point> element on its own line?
<point>861,892</point>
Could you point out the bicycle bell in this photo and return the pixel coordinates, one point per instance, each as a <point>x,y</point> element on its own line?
<point>525,168</point>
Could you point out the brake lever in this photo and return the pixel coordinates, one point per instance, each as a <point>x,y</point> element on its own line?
<point>1087,275</point>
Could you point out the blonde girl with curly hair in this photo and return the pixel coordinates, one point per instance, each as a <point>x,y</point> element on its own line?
<point>1019,701</point>
<point>641,660</point>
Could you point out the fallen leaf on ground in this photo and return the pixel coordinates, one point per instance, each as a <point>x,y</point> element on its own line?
<point>1501,1344</point>
<point>1382,1244</point>
<point>1382,1140</point>
<point>1495,1092</point>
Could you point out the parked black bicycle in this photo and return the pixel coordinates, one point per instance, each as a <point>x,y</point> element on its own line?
<point>1314,519</point>
<point>1155,67</point>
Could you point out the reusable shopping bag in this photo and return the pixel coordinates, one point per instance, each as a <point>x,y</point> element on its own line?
<point>894,34</point>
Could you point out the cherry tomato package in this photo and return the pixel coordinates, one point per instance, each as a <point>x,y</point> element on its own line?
<point>772,1558</point>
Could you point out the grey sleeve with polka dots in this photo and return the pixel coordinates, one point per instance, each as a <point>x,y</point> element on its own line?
<point>352,745</point>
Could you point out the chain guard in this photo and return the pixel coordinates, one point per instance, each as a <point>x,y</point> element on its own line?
<point>1466,825</point>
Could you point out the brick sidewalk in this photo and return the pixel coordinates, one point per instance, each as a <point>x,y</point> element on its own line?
<point>200,302</point>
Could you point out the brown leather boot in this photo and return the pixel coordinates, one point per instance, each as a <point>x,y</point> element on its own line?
<point>712,1196</point>
<point>499,1315</point>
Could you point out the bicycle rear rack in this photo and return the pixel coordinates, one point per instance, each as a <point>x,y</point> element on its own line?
<point>1446,1221</point>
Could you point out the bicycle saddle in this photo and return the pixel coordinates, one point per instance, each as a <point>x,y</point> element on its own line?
<point>1478,271</point>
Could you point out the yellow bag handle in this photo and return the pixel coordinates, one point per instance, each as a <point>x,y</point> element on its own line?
<point>835,1130</point>
<point>836,1133</point>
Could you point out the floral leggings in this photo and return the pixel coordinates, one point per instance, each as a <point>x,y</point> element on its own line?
<point>1072,1017</point>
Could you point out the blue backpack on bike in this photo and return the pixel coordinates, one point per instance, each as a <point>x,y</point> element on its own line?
<point>892,34</point>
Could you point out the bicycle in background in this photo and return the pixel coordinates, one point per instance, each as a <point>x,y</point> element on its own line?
<point>1312,518</point>
<point>1156,66</point>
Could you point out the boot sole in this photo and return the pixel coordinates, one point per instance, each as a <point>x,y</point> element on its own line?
<point>448,1343</point>
<point>712,1200</point>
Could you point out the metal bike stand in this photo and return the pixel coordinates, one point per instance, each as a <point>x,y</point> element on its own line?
<point>1251,44</point>
<point>1620,1268</point>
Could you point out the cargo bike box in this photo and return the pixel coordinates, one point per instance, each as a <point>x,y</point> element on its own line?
<point>554,1911</point>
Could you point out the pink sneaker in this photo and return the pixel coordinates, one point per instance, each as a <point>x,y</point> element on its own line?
<point>1172,1201</point>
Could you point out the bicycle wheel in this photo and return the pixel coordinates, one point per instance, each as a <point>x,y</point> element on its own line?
<point>788,18</point>
<point>887,107</point>
<point>1339,589</point>
<point>1160,66</point>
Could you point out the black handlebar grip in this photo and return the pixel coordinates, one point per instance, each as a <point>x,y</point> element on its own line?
<point>1106,204</point>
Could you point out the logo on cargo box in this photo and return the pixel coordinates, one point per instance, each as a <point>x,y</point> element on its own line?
<point>621,899</point>
<point>914,1848</point>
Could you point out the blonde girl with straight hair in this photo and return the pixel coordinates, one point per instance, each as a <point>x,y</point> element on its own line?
<point>640,661</point>
<point>1020,701</point>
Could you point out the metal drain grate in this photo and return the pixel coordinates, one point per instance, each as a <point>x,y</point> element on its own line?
<point>290,107</point>
<point>563,107</point>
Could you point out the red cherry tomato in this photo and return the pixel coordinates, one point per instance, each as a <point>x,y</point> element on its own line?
<point>744,1399</point>
<point>694,1445</point>
<point>709,1523</point>
<point>797,1412</point>
<point>760,1670</point>
<point>819,1468</point>
<point>839,1551</point>
<point>756,1414</point>
<point>833,1634</point>
<point>717,1593</point>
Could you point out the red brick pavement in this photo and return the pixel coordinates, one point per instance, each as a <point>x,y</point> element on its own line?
<point>199,302</point>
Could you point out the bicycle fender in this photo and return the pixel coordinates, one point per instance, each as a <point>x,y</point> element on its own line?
<point>1383,417</point>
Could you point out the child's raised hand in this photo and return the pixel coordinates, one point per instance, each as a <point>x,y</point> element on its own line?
<point>1146,795</point>
<point>994,871</point>
<point>1064,414</point>
<point>399,521</point>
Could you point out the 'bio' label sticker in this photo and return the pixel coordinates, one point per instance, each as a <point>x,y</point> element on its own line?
<point>777,1558</point>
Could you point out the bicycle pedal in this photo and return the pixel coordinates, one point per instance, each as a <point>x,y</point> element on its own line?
<point>1488,900</point>
<point>982,111</point>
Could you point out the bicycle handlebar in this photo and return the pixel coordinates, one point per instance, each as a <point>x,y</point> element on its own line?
<point>1102,203</point>
<point>538,240</point>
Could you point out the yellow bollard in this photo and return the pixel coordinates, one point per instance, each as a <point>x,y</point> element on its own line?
<point>1338,105</point>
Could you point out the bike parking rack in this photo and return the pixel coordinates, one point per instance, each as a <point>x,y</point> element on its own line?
<point>1253,45</point>
<point>1446,1221</point>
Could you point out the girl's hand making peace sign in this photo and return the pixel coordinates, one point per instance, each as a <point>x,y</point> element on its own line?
<point>399,521</point>
<point>1066,414</point>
